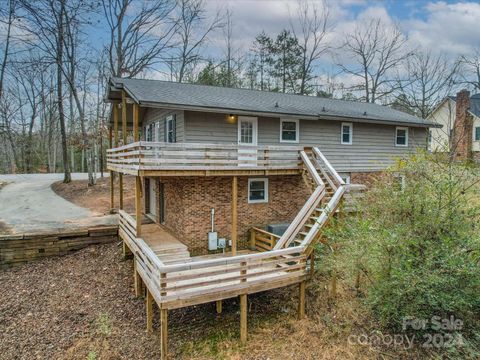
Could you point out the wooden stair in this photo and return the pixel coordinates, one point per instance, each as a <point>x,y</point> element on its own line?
<point>327,189</point>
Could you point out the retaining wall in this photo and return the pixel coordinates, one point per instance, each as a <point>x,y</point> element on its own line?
<point>21,248</point>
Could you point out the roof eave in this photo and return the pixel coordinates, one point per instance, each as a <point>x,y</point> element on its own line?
<point>224,110</point>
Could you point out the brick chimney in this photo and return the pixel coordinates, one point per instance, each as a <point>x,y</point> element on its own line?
<point>461,145</point>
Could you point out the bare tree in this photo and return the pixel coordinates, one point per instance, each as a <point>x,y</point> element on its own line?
<point>47,18</point>
<point>429,79</point>
<point>137,41</point>
<point>375,49</point>
<point>311,31</point>
<point>192,33</point>
<point>471,70</point>
<point>10,19</point>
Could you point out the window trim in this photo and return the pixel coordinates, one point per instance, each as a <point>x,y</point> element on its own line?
<point>254,121</point>
<point>265,181</point>
<point>297,130</point>
<point>350,125</point>
<point>406,136</point>
<point>475,129</point>
<point>170,119</point>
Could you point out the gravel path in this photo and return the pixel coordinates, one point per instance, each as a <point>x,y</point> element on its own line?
<point>27,203</point>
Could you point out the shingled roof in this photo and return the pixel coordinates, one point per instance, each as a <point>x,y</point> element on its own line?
<point>168,94</point>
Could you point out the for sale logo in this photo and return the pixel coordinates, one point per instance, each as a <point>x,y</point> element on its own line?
<point>438,332</point>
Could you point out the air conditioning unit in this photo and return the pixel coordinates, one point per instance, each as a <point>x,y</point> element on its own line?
<point>278,229</point>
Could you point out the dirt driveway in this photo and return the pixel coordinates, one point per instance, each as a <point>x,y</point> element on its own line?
<point>27,203</point>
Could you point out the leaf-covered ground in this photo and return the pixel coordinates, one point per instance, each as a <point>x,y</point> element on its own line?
<point>82,306</point>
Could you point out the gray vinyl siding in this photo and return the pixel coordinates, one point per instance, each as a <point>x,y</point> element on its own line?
<point>373,145</point>
<point>159,115</point>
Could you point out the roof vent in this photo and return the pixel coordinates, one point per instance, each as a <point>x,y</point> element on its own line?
<point>364,113</point>
<point>276,104</point>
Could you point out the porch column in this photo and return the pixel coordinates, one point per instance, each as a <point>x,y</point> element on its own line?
<point>136,116</point>
<point>124,138</point>
<point>115,144</point>
<point>112,190</point>
<point>234,214</point>
<point>138,204</point>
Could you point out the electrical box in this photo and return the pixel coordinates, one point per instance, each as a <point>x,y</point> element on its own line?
<point>212,240</point>
<point>222,243</point>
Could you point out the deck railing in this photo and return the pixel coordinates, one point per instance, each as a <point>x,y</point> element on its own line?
<point>173,285</point>
<point>145,155</point>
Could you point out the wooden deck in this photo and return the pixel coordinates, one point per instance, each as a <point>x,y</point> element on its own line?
<point>144,158</point>
<point>164,244</point>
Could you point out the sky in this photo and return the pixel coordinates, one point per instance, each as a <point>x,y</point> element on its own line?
<point>447,26</point>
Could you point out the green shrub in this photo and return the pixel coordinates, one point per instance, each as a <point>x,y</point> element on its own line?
<point>416,250</point>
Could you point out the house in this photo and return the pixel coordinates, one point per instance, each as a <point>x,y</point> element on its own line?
<point>460,119</point>
<point>234,186</point>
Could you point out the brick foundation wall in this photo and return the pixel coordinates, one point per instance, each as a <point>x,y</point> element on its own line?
<point>188,203</point>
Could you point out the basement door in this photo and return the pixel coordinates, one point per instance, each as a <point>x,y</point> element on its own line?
<point>152,198</point>
<point>247,141</point>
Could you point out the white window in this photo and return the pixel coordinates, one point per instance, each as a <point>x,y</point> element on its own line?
<point>170,133</point>
<point>149,132</point>
<point>401,136</point>
<point>258,190</point>
<point>289,130</point>
<point>347,133</point>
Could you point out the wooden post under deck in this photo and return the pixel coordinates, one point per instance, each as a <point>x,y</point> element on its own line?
<point>234,214</point>
<point>301,300</point>
<point>243,318</point>
<point>164,333</point>
<point>218,305</point>
<point>138,205</point>
<point>112,189</point>
<point>149,305</point>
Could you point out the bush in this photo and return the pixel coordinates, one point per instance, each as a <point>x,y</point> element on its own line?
<point>415,252</point>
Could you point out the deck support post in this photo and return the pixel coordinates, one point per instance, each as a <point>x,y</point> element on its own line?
<point>138,205</point>
<point>164,333</point>
<point>120,194</point>
<point>243,319</point>
<point>137,280</point>
<point>234,214</point>
<point>301,300</point>
<point>312,264</point>
<point>149,305</point>
<point>218,305</point>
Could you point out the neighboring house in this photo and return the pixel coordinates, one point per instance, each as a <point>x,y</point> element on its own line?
<point>461,112</point>
<point>257,174</point>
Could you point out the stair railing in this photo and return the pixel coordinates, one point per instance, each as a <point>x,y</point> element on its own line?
<point>311,204</point>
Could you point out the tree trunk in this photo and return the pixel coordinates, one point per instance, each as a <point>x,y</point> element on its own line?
<point>61,114</point>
